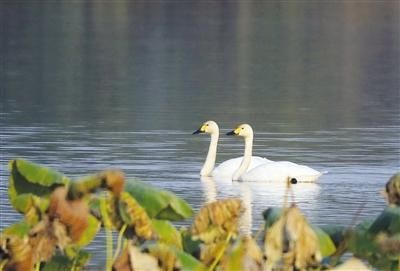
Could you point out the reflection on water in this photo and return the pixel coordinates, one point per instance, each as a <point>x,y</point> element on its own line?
<point>246,220</point>
<point>99,84</point>
<point>258,196</point>
<point>209,189</point>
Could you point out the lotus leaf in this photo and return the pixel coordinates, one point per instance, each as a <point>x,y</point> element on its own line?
<point>167,233</point>
<point>58,263</point>
<point>245,254</point>
<point>188,262</point>
<point>217,219</point>
<point>158,203</point>
<point>20,229</point>
<point>135,216</point>
<point>112,180</point>
<point>73,260</point>
<point>376,240</point>
<point>28,179</point>
<point>326,244</point>
<point>165,256</point>
<point>388,221</point>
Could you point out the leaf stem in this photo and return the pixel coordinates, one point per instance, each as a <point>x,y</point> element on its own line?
<point>119,243</point>
<point>2,264</point>
<point>220,253</point>
<point>107,228</point>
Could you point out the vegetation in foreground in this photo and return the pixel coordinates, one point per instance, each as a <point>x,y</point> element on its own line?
<point>62,216</point>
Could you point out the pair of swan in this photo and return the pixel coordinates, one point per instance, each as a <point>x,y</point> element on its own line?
<point>249,167</point>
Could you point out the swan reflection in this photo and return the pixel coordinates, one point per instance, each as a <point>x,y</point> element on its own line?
<point>257,197</point>
<point>209,189</point>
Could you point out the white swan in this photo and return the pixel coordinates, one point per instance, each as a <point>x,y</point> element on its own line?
<point>227,168</point>
<point>271,171</point>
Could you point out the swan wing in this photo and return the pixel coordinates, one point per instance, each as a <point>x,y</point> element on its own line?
<point>257,161</point>
<point>228,167</point>
<point>280,171</point>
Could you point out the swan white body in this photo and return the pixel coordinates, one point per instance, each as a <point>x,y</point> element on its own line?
<point>280,171</point>
<point>272,171</point>
<point>227,168</point>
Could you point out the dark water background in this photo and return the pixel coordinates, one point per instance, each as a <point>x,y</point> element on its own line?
<point>89,85</point>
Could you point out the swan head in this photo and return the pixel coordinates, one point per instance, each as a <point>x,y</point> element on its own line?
<point>243,130</point>
<point>208,127</point>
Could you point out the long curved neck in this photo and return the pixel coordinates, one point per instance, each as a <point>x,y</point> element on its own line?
<point>212,153</point>
<point>248,149</point>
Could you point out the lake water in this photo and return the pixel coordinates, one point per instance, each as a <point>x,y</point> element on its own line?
<point>86,86</point>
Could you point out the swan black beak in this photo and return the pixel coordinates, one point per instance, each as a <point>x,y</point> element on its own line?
<point>198,131</point>
<point>231,133</point>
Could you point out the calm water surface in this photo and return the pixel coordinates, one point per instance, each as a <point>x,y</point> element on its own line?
<point>89,86</point>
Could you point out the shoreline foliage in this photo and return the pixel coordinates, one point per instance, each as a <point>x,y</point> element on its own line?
<point>62,216</point>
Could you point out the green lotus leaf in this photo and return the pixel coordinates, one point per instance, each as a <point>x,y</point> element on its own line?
<point>243,254</point>
<point>58,263</point>
<point>158,203</point>
<point>235,258</point>
<point>361,242</point>
<point>79,256</point>
<point>335,232</point>
<point>188,262</point>
<point>190,245</point>
<point>20,229</point>
<point>73,260</point>
<point>388,221</point>
<point>326,245</point>
<point>84,185</point>
<point>163,252</point>
<point>28,179</point>
<point>271,215</point>
<point>368,239</point>
<point>167,233</point>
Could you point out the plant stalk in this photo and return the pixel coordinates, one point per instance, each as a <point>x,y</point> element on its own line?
<point>220,253</point>
<point>107,227</point>
<point>119,243</point>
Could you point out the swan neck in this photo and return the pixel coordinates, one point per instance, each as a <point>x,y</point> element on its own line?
<point>211,155</point>
<point>248,149</point>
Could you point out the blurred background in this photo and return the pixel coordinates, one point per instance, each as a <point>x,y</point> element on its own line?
<point>88,85</point>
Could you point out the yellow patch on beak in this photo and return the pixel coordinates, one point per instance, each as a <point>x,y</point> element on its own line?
<point>203,128</point>
<point>237,131</point>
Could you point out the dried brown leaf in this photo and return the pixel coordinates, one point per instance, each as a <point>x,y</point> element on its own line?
<point>139,220</point>
<point>291,242</point>
<point>165,256</point>
<point>245,254</point>
<point>215,220</point>
<point>19,252</point>
<point>123,262</point>
<point>114,181</point>
<point>72,213</point>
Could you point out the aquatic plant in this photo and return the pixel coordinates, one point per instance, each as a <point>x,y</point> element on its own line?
<point>60,218</point>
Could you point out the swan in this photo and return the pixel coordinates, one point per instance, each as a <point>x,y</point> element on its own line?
<point>227,168</point>
<point>272,171</point>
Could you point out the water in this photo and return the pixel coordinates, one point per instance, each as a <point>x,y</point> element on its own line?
<point>97,85</point>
